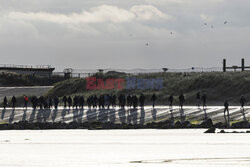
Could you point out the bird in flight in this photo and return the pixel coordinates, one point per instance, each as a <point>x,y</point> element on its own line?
<point>147,44</point>
<point>171,33</point>
<point>205,24</point>
<point>225,22</point>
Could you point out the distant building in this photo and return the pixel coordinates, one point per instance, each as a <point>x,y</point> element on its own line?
<point>43,71</point>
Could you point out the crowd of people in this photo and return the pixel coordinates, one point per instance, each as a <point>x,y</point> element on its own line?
<point>107,101</point>
<point>41,102</point>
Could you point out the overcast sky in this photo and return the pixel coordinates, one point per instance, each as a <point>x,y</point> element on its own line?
<point>91,34</point>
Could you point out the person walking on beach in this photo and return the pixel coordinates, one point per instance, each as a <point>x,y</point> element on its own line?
<point>153,99</point>
<point>26,100</point>
<point>41,102</point>
<point>142,100</point>
<point>204,100</point>
<point>65,101</point>
<point>113,101</point>
<point>69,100</point>
<point>129,101</point>
<point>242,101</point>
<point>181,100</point>
<point>226,109</point>
<point>50,103</point>
<point>34,102</point>
<point>198,99</point>
<point>135,101</point>
<point>56,102</point>
<point>13,101</point>
<point>81,102</point>
<point>242,104</point>
<point>75,102</point>
<point>5,102</point>
<point>170,100</point>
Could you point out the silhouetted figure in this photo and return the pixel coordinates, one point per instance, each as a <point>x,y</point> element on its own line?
<point>41,102</point>
<point>34,102</point>
<point>107,100</point>
<point>81,102</point>
<point>56,102</point>
<point>135,101</point>
<point>142,100</point>
<point>25,100</point>
<point>114,101</point>
<point>226,105</point>
<point>65,101</point>
<point>89,102</point>
<point>101,101</point>
<point>46,103</point>
<point>69,100</point>
<point>204,100</point>
<point>170,100</point>
<point>5,102</point>
<point>153,99</point>
<point>198,99</point>
<point>181,100</point>
<point>122,101</point>
<point>242,101</point>
<point>50,103</point>
<point>75,102</point>
<point>95,99</point>
<point>129,101</point>
<point>13,101</point>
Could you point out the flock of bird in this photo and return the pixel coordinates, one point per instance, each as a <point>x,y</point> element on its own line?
<point>171,33</point>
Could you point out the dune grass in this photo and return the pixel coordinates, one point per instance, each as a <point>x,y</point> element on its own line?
<point>14,79</point>
<point>218,86</point>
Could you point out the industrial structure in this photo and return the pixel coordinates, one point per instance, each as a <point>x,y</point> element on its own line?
<point>235,67</point>
<point>41,70</point>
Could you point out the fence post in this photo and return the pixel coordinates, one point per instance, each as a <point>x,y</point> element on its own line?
<point>224,65</point>
<point>242,64</point>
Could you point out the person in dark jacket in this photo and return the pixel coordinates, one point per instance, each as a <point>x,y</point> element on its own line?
<point>95,100</point>
<point>34,102</point>
<point>50,103</point>
<point>242,101</point>
<point>81,102</point>
<point>170,100</point>
<point>56,102</point>
<point>5,102</point>
<point>75,102</point>
<point>69,100</point>
<point>226,109</point>
<point>41,102</point>
<point>198,99</point>
<point>64,101</point>
<point>135,101</point>
<point>181,100</point>
<point>114,101</point>
<point>153,99</point>
<point>129,101</point>
<point>204,100</point>
<point>142,100</point>
<point>13,101</point>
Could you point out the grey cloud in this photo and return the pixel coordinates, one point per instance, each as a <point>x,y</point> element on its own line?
<point>112,33</point>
